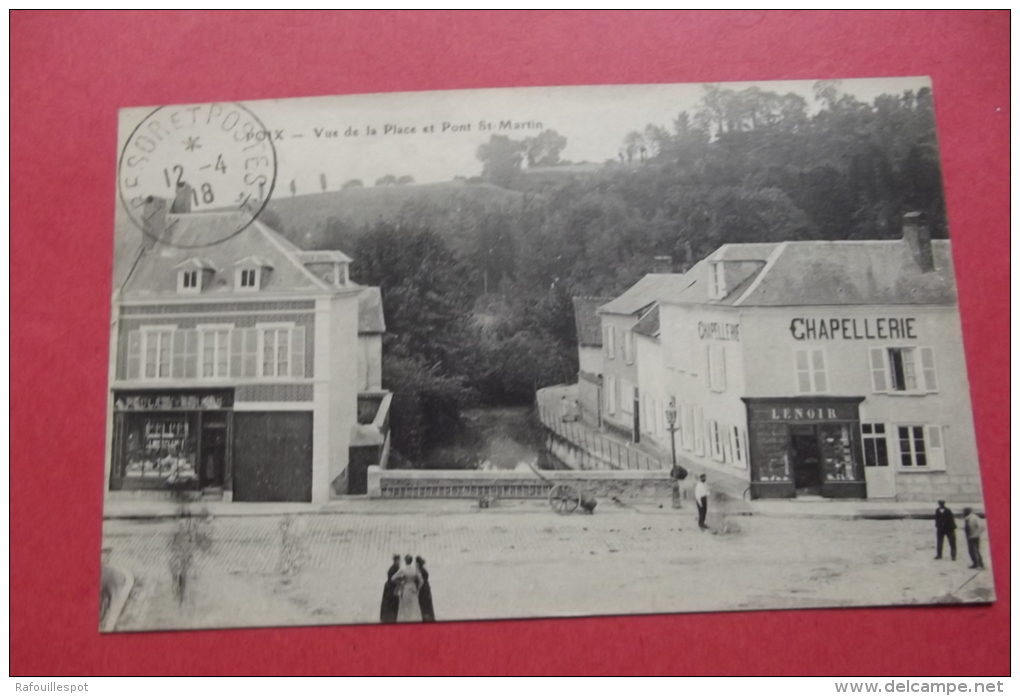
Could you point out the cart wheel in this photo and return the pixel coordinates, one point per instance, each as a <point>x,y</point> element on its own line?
<point>564,498</point>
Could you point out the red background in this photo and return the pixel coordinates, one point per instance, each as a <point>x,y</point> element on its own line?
<point>70,73</point>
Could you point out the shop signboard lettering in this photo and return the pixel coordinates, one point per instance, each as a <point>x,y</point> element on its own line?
<point>172,402</point>
<point>718,331</point>
<point>853,329</point>
<point>814,413</point>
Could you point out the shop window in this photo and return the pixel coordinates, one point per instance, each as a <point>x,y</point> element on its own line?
<point>876,447</point>
<point>812,376</point>
<point>921,447</point>
<point>716,367</point>
<point>903,370</point>
<point>836,448</point>
<point>159,448</point>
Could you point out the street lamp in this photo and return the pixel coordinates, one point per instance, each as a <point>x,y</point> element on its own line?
<point>671,421</point>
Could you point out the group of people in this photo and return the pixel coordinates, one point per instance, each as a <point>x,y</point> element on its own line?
<point>945,530</point>
<point>407,595</point>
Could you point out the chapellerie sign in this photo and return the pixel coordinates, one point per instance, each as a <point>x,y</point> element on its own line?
<point>855,329</point>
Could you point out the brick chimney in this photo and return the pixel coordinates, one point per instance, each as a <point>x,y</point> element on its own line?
<point>153,219</point>
<point>662,264</point>
<point>918,237</point>
<point>182,199</point>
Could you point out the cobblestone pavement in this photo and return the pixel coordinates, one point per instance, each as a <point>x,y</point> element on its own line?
<point>503,564</point>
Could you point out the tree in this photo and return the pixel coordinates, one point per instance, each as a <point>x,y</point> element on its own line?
<point>404,180</point>
<point>352,183</point>
<point>388,180</point>
<point>543,150</point>
<point>501,160</point>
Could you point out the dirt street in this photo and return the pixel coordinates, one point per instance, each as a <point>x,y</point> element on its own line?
<point>503,564</point>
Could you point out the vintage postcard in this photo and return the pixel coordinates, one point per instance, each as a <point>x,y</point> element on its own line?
<point>534,353</point>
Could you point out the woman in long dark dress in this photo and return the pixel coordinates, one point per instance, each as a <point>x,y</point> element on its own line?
<point>390,598</point>
<point>425,592</point>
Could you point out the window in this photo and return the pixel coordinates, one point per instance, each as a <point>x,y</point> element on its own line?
<point>247,278</point>
<point>921,447</point>
<point>903,370</point>
<point>188,281</point>
<point>610,342</point>
<point>912,449</point>
<point>699,431</point>
<point>716,281</point>
<point>626,396</point>
<point>715,441</point>
<point>628,346</point>
<point>215,352</point>
<point>811,374</point>
<point>282,350</point>
<point>716,367</point>
<point>738,447</point>
<point>686,427</point>
<point>157,352</point>
<point>876,447</point>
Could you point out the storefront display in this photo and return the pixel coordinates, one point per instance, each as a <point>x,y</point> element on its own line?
<point>170,440</point>
<point>802,447</point>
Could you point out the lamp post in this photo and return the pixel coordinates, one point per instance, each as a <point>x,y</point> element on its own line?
<point>671,421</point>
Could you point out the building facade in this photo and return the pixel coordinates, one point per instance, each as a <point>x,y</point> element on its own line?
<point>831,369</point>
<point>622,400</point>
<point>236,367</point>
<point>588,325</point>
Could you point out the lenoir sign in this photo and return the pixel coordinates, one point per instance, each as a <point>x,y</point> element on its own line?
<point>883,328</point>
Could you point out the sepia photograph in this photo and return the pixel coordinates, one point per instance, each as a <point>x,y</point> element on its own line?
<point>536,352</point>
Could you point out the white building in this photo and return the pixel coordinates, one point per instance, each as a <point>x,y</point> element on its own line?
<point>823,368</point>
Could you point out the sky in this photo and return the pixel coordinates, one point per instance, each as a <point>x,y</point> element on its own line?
<point>594,119</point>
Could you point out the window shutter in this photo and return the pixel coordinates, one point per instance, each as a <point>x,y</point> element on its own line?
<point>931,382</point>
<point>297,354</point>
<point>236,351</point>
<point>191,353</point>
<point>177,354</point>
<point>818,368</point>
<point>721,367</point>
<point>612,342</point>
<point>134,354</point>
<point>936,451</point>
<point>251,353</point>
<point>879,373</point>
<point>803,371</point>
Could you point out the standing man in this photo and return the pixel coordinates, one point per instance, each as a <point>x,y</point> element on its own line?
<point>945,527</point>
<point>974,528</point>
<point>701,498</point>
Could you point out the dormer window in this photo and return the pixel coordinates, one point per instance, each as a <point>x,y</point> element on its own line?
<point>193,275</point>
<point>250,273</point>
<point>249,278</point>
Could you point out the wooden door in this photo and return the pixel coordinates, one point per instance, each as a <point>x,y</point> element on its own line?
<point>273,456</point>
